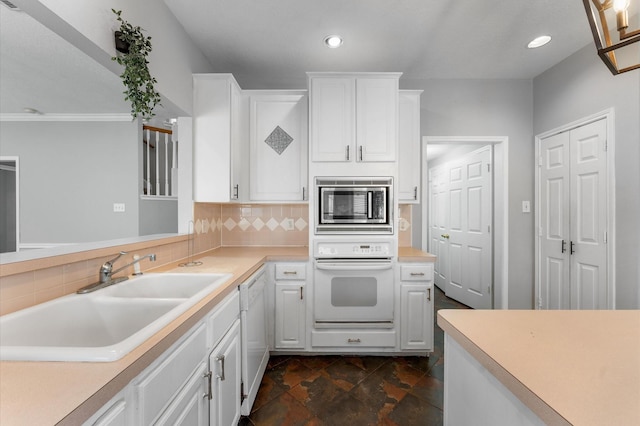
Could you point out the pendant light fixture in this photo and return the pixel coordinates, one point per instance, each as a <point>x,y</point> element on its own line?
<point>619,50</point>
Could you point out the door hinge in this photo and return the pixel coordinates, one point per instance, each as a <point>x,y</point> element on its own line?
<point>606,145</point>
<point>489,229</point>
<point>605,237</point>
<point>489,167</point>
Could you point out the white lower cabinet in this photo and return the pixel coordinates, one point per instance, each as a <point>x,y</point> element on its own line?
<point>290,305</point>
<point>416,307</point>
<point>224,364</point>
<point>190,406</point>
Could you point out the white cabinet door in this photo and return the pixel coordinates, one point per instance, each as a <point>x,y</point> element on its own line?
<point>353,117</point>
<point>224,364</point>
<point>278,147</point>
<point>332,118</point>
<point>376,119</point>
<point>409,142</point>
<point>290,315</point>
<point>416,325</point>
<point>216,127</point>
<point>190,407</point>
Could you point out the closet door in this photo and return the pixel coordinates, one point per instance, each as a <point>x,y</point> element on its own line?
<point>573,219</point>
<point>589,216</point>
<point>554,209</point>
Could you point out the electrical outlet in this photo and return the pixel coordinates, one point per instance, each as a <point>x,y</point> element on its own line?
<point>118,207</point>
<point>288,224</point>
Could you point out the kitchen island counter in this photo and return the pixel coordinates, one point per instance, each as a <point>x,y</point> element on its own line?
<point>47,393</point>
<point>567,367</point>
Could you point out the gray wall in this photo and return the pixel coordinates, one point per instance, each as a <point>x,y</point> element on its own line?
<point>492,108</point>
<point>581,86</point>
<point>158,217</point>
<point>71,173</point>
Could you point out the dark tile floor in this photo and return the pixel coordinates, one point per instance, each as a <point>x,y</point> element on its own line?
<point>354,390</point>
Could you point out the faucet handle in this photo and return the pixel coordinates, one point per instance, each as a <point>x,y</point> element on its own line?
<point>122,253</point>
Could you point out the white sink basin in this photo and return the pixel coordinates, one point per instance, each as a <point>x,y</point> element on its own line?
<point>181,286</point>
<point>104,325</point>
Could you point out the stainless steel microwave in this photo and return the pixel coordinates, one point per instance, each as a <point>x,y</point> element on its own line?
<point>350,205</point>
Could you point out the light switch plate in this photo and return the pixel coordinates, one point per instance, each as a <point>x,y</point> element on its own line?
<point>526,207</point>
<point>118,207</point>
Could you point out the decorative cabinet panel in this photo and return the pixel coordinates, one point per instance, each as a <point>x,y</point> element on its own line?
<point>353,117</point>
<point>217,133</point>
<point>410,147</point>
<point>416,307</point>
<point>278,146</point>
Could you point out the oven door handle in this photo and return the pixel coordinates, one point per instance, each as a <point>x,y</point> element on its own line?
<point>353,266</point>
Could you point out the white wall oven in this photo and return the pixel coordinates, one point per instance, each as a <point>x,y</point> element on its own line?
<point>353,285</point>
<point>354,205</point>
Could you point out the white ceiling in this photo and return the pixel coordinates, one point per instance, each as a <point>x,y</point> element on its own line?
<point>272,44</point>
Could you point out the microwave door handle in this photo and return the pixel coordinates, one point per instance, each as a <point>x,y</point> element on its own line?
<point>370,205</point>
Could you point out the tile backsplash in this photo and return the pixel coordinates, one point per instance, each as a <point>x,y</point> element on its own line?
<point>404,225</point>
<point>251,225</point>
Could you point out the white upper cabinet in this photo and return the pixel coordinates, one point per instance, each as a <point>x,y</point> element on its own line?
<point>278,139</point>
<point>409,142</point>
<point>217,128</point>
<point>353,117</point>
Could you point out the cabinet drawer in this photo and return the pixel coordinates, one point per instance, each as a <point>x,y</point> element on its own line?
<point>354,339</point>
<point>416,272</point>
<point>157,389</point>
<point>222,318</point>
<point>291,271</point>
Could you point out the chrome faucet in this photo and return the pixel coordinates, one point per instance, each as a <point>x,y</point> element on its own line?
<point>106,272</point>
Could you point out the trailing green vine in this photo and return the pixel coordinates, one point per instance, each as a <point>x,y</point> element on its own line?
<point>136,76</point>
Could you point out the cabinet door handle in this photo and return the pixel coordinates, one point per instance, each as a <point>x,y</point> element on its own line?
<point>571,250</point>
<point>429,294</point>
<point>236,191</point>
<point>304,193</point>
<point>207,377</point>
<point>360,152</point>
<point>220,359</point>
<point>290,273</point>
<point>353,340</point>
<point>301,296</point>
<point>347,152</point>
<point>417,274</point>
<point>415,192</point>
<point>564,246</point>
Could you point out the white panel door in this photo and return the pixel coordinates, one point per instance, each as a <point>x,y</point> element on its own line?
<point>573,219</point>
<point>555,234</point>
<point>439,225</point>
<point>461,193</point>
<point>588,217</point>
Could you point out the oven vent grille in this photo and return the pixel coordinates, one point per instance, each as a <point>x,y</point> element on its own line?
<point>352,181</point>
<point>360,229</point>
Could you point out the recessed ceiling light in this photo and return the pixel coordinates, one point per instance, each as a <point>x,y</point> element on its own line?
<point>333,41</point>
<point>539,41</point>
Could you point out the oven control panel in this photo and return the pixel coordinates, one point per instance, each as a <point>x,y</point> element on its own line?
<point>354,249</point>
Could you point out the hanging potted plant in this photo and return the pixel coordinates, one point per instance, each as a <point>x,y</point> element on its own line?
<point>134,47</point>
